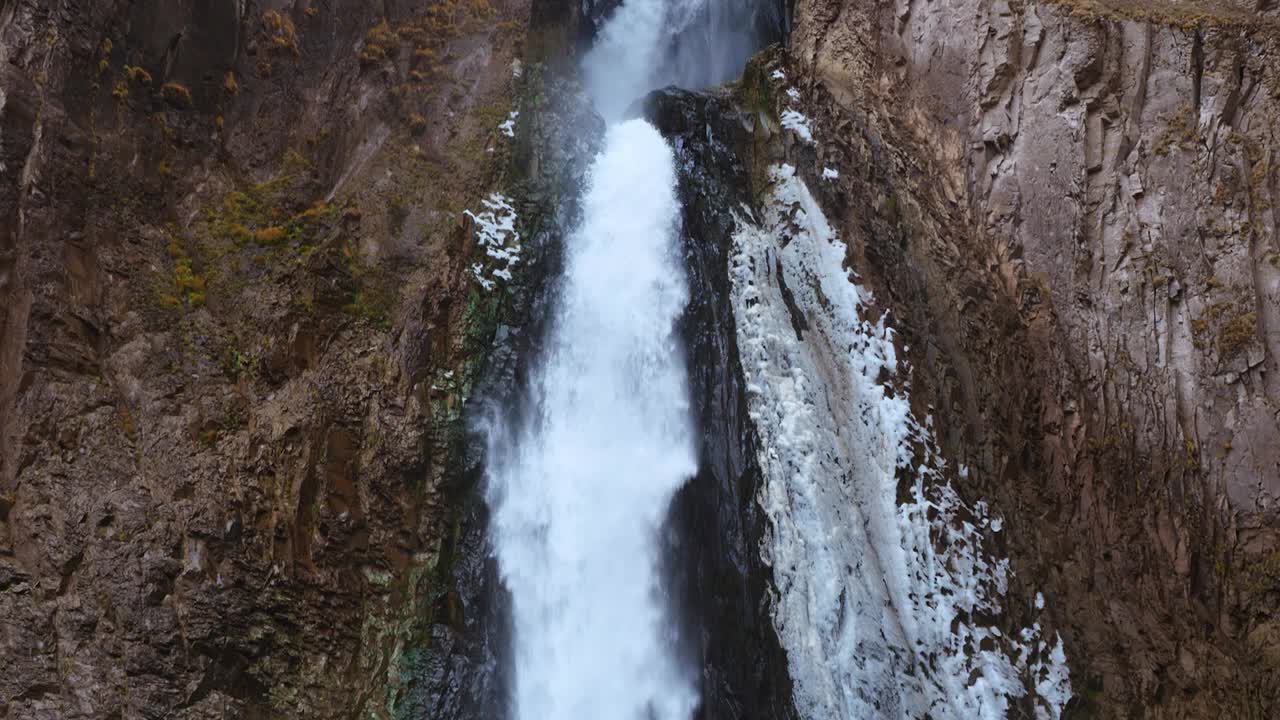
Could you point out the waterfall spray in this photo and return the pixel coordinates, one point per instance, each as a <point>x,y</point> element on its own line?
<point>580,492</point>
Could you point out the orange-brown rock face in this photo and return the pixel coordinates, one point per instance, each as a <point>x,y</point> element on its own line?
<point>1070,209</point>
<point>233,274</point>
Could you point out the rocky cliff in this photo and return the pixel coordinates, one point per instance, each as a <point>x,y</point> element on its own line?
<point>238,320</point>
<point>242,305</point>
<point>1069,210</point>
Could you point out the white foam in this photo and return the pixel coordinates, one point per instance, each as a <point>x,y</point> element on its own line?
<point>580,492</point>
<point>622,65</point>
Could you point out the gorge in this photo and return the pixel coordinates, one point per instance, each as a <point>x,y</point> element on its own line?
<point>656,359</point>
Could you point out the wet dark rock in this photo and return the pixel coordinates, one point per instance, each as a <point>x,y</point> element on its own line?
<point>227,483</point>
<point>718,579</point>
<point>467,677</point>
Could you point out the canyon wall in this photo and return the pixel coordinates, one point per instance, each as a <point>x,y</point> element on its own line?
<point>241,313</point>
<point>1068,210</point>
<point>237,323</point>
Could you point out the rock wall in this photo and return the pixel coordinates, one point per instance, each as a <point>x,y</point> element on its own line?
<point>238,326</point>
<point>1069,208</point>
<point>235,336</point>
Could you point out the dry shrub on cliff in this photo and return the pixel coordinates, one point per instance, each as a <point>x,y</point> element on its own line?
<point>137,74</point>
<point>1237,335</point>
<point>1179,133</point>
<point>124,419</point>
<point>379,44</point>
<point>229,84</point>
<point>269,235</point>
<point>1184,14</point>
<point>267,214</point>
<point>177,95</point>
<point>280,31</point>
<point>104,57</point>
<point>318,211</point>
<point>187,283</point>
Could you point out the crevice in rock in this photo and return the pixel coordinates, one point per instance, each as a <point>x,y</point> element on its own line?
<point>1197,74</point>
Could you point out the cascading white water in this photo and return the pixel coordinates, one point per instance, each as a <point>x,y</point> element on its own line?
<point>649,44</point>
<point>580,492</point>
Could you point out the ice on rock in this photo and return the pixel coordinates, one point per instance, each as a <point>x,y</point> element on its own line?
<point>495,231</point>
<point>799,124</point>
<point>508,127</point>
<point>874,601</point>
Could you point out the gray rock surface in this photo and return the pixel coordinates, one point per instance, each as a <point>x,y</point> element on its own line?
<point>1070,209</point>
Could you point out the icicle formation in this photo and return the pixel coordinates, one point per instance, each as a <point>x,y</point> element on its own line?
<point>874,601</point>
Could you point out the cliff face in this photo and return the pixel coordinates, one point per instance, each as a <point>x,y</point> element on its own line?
<point>239,319</point>
<point>1069,208</point>
<point>236,331</point>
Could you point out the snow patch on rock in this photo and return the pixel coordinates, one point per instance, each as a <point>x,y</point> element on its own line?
<point>796,122</point>
<point>875,602</point>
<point>495,231</point>
<point>508,127</point>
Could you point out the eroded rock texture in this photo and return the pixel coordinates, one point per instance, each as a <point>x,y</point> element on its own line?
<point>237,327</point>
<point>1069,209</point>
<point>235,336</point>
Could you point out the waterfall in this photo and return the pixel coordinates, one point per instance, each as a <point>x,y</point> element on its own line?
<point>648,44</point>
<point>581,490</point>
